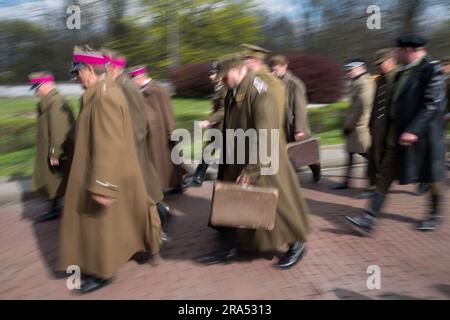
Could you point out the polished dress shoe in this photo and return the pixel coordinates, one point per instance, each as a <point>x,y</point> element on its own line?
<point>423,188</point>
<point>175,190</point>
<point>365,223</point>
<point>341,186</point>
<point>164,214</point>
<point>193,182</point>
<point>366,194</point>
<point>92,284</point>
<point>293,256</point>
<point>429,224</point>
<point>51,215</point>
<point>220,256</point>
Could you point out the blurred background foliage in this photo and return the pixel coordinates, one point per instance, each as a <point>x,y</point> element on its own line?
<point>166,34</point>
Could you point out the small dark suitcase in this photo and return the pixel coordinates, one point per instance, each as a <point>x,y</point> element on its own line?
<point>246,207</point>
<point>304,153</point>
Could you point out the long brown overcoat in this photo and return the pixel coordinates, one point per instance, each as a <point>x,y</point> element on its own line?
<point>142,136</point>
<point>258,104</point>
<point>54,138</point>
<point>96,238</point>
<point>358,116</point>
<point>296,107</point>
<point>161,122</point>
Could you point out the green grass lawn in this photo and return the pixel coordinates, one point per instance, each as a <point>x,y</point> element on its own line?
<point>17,128</point>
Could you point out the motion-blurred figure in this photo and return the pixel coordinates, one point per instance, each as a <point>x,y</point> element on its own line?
<point>115,70</point>
<point>382,164</point>
<point>296,123</point>
<point>54,143</point>
<point>108,216</point>
<point>356,126</point>
<point>215,121</point>
<point>161,121</point>
<point>249,104</point>
<point>418,107</point>
<point>446,70</point>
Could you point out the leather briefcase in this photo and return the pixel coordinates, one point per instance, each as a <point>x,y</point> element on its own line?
<point>304,153</point>
<point>246,207</point>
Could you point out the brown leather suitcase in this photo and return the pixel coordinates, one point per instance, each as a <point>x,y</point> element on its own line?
<point>246,207</point>
<point>304,153</point>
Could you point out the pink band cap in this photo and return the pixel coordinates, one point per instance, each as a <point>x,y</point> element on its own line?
<point>41,80</point>
<point>119,62</point>
<point>89,58</point>
<point>137,72</point>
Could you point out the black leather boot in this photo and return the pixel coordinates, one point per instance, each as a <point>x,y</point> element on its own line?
<point>164,214</point>
<point>293,255</point>
<point>342,186</point>
<point>433,221</point>
<point>223,255</point>
<point>366,222</point>
<point>92,284</point>
<point>226,248</point>
<point>316,170</point>
<point>199,176</point>
<point>53,213</point>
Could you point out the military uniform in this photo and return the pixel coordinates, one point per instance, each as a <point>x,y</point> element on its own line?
<point>161,123</point>
<point>141,131</point>
<point>254,105</point>
<point>382,156</point>
<point>54,139</point>
<point>356,125</point>
<point>96,238</point>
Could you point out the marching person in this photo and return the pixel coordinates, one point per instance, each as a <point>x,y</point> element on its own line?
<point>215,121</point>
<point>356,126</point>
<point>446,70</point>
<point>159,114</point>
<point>418,107</point>
<point>252,103</point>
<point>115,70</point>
<point>108,216</point>
<point>54,143</point>
<point>297,126</point>
<point>382,150</point>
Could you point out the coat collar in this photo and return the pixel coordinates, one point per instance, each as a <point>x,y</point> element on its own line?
<point>415,69</point>
<point>242,89</point>
<point>92,91</point>
<point>288,76</point>
<point>45,101</point>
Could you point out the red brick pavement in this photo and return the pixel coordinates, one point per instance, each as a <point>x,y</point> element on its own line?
<point>413,264</point>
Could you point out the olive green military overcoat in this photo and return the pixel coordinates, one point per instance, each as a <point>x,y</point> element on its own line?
<point>96,238</point>
<point>259,104</point>
<point>161,121</point>
<point>54,138</point>
<point>142,136</point>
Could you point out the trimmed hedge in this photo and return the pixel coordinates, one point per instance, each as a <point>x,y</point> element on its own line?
<point>192,80</point>
<point>323,78</point>
<point>17,133</point>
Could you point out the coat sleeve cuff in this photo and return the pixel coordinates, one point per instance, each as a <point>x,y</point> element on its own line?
<point>103,188</point>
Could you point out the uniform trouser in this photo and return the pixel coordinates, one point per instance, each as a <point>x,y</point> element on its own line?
<point>315,166</point>
<point>388,176</point>
<point>201,169</point>
<point>227,238</point>
<point>350,164</point>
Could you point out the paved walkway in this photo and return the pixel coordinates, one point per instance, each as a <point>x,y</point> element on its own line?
<point>413,264</point>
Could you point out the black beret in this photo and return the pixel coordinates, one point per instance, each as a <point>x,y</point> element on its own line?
<point>411,41</point>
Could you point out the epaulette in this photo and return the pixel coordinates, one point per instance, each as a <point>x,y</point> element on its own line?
<point>260,85</point>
